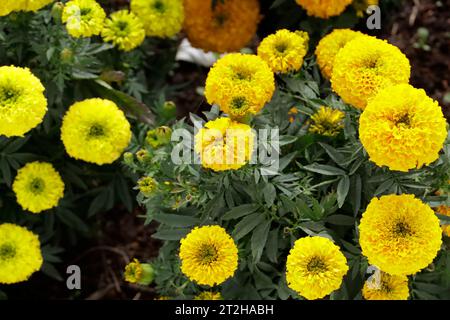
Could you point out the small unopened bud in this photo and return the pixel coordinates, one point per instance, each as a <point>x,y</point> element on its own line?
<point>66,55</point>
<point>147,186</point>
<point>57,10</point>
<point>143,156</point>
<point>139,273</point>
<point>128,158</point>
<point>159,137</point>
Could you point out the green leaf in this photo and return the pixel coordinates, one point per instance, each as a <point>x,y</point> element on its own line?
<point>171,234</point>
<point>324,169</point>
<point>71,220</point>
<point>176,220</point>
<point>342,190</point>
<point>272,246</point>
<point>383,187</point>
<point>49,270</point>
<point>259,239</point>
<point>240,211</point>
<point>269,194</point>
<point>247,224</point>
<point>333,153</point>
<point>341,220</point>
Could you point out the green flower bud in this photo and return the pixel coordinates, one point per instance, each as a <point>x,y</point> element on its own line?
<point>57,10</point>
<point>159,137</point>
<point>138,273</point>
<point>128,158</point>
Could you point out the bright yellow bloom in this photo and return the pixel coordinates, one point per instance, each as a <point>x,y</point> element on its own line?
<point>209,295</point>
<point>324,8</point>
<point>96,131</point>
<point>124,30</point>
<point>383,286</point>
<point>83,18</point>
<point>327,122</point>
<point>284,50</point>
<point>240,84</point>
<point>135,272</point>
<point>402,128</point>
<point>365,66</point>
<point>161,18</point>
<point>208,255</point>
<point>227,27</point>
<point>7,7</point>
<point>147,186</point>
<point>330,45</point>
<point>22,101</point>
<point>362,5</point>
<point>38,187</point>
<point>445,210</point>
<point>315,267</point>
<point>399,234</point>
<point>224,144</point>
<point>20,253</point>
<point>34,5</point>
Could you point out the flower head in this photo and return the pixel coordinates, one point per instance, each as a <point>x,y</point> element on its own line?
<point>240,84</point>
<point>365,66</point>
<point>324,8</point>
<point>445,210</point>
<point>383,286</point>
<point>124,30</point>
<point>226,27</point>
<point>96,131</point>
<point>159,136</point>
<point>224,144</point>
<point>147,186</point>
<point>83,18</point>
<point>327,122</point>
<point>20,253</point>
<point>22,101</point>
<point>315,267</point>
<point>161,18</point>
<point>330,45</point>
<point>208,295</point>
<point>399,234</point>
<point>34,5</point>
<point>140,273</point>
<point>402,128</point>
<point>38,187</point>
<point>208,255</point>
<point>284,50</point>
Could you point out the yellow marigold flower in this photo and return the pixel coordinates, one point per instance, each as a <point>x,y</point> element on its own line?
<point>324,8</point>
<point>327,122</point>
<point>38,187</point>
<point>362,5</point>
<point>366,65</point>
<point>7,7</point>
<point>124,30</point>
<point>83,18</point>
<point>34,5</point>
<point>402,128</point>
<point>383,286</point>
<point>20,253</point>
<point>284,50</point>
<point>147,185</point>
<point>315,267</point>
<point>209,295</point>
<point>140,273</point>
<point>208,255</point>
<point>22,101</point>
<point>399,234</point>
<point>96,131</point>
<point>161,18</point>
<point>445,210</point>
<point>227,27</point>
<point>224,144</point>
<point>330,45</point>
<point>240,84</point>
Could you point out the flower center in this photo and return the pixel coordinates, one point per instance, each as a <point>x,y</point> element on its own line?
<point>159,6</point>
<point>402,229</point>
<point>238,102</point>
<point>96,131</point>
<point>7,251</point>
<point>242,74</point>
<point>8,96</point>
<point>207,254</point>
<point>316,265</point>
<point>403,121</point>
<point>281,47</point>
<point>220,19</point>
<point>122,25</point>
<point>37,186</point>
<point>385,287</point>
<point>85,11</point>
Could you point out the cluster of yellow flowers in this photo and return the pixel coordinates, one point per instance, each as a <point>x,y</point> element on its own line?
<point>6,7</point>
